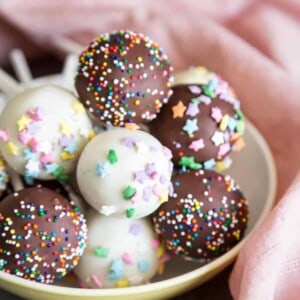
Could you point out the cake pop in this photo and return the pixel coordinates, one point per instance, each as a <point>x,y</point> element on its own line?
<point>42,235</point>
<point>205,217</point>
<point>202,123</point>
<point>42,132</point>
<point>124,173</point>
<point>124,77</point>
<point>119,253</point>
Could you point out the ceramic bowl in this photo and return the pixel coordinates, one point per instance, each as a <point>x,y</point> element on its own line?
<point>253,169</point>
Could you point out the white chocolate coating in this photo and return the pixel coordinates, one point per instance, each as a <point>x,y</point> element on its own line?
<point>124,173</point>
<point>119,253</point>
<point>42,132</point>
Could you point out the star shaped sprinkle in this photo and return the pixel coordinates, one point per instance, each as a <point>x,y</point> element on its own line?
<point>60,174</point>
<point>28,154</point>
<point>197,145</point>
<point>32,168</point>
<point>129,192</point>
<point>209,164</point>
<point>116,270</point>
<point>217,138</point>
<point>47,158</point>
<point>130,212</point>
<point>204,99</point>
<point>72,148</point>
<point>178,110</point>
<point>66,129</point>
<point>3,136</point>
<point>140,176</point>
<point>65,141</point>
<point>128,142</point>
<point>24,137</point>
<point>216,114</point>
<point>150,170</point>
<point>192,109</point>
<point>135,229</point>
<point>107,210</point>
<point>195,89</point>
<point>12,148</point>
<point>127,259</point>
<point>23,121</point>
<point>36,114</point>
<point>66,155</point>
<point>34,145</point>
<point>112,156</point>
<point>102,169</point>
<point>189,162</point>
<point>78,107</point>
<point>33,128</point>
<point>224,149</point>
<point>143,266</point>
<point>101,251</point>
<point>190,126</point>
<point>50,168</point>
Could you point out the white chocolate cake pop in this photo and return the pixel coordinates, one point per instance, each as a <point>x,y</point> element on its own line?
<point>42,132</point>
<point>124,173</point>
<point>119,253</point>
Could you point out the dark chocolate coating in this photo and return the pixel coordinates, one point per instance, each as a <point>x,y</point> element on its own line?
<point>169,128</point>
<point>206,216</point>
<point>42,236</point>
<point>123,77</point>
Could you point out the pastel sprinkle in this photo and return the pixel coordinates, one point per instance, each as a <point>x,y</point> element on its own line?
<point>178,110</point>
<point>130,212</point>
<point>129,192</point>
<point>101,252</point>
<point>12,148</point>
<point>112,156</point>
<point>190,126</point>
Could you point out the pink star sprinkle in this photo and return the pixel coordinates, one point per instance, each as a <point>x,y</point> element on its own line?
<point>216,114</point>
<point>197,145</point>
<point>3,136</point>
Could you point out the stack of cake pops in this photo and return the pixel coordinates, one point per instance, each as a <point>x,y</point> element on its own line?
<point>147,180</point>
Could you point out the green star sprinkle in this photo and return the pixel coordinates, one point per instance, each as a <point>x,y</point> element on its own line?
<point>112,156</point>
<point>130,212</point>
<point>129,192</point>
<point>189,161</point>
<point>101,252</point>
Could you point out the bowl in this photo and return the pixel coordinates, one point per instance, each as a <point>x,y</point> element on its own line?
<point>254,170</point>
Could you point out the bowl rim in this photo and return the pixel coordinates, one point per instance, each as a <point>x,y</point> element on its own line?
<point>223,260</point>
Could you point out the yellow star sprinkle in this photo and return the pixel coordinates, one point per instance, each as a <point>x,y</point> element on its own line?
<point>122,283</point>
<point>23,122</point>
<point>164,196</point>
<point>12,148</point>
<point>78,107</point>
<point>178,110</point>
<point>66,155</point>
<point>66,129</point>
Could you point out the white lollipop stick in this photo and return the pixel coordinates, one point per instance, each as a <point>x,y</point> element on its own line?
<point>69,71</point>
<point>20,66</point>
<point>66,45</point>
<point>9,85</point>
<point>15,180</point>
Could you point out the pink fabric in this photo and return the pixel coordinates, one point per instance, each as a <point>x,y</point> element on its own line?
<point>255,45</point>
